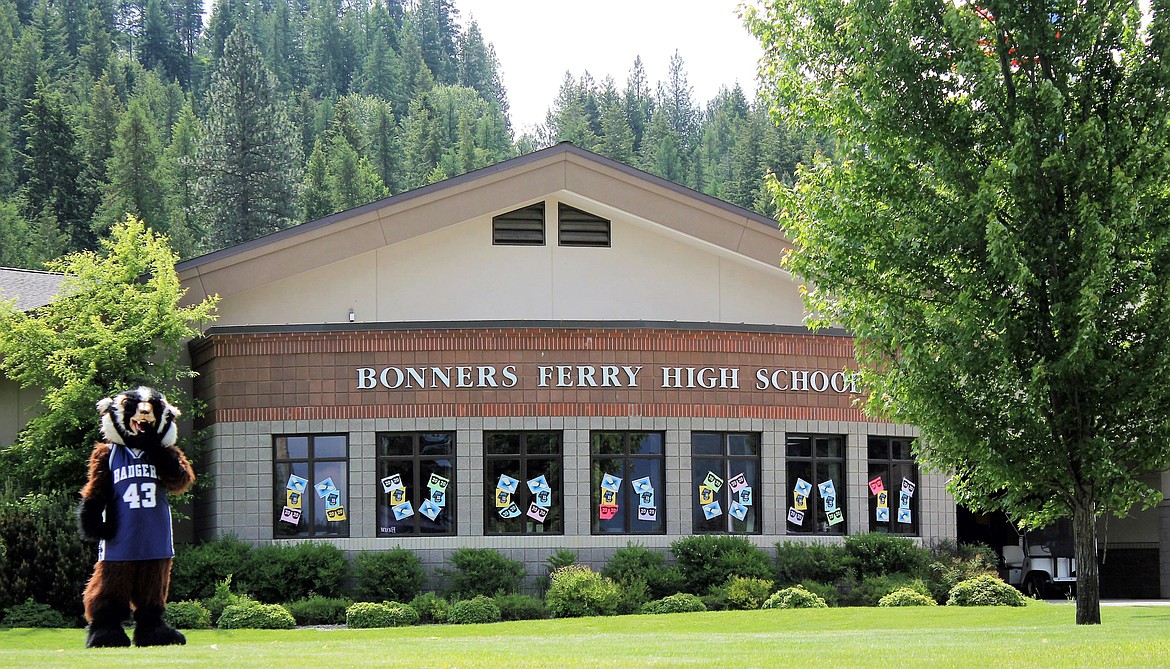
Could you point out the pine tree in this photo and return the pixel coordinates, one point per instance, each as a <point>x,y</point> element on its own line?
<point>352,181</point>
<point>432,25</point>
<point>316,200</point>
<point>249,156</point>
<point>420,143</point>
<point>134,183</point>
<point>98,128</point>
<point>159,47</point>
<point>638,102</point>
<point>384,151</point>
<point>180,170</point>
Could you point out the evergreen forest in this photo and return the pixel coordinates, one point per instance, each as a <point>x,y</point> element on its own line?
<point>215,129</point>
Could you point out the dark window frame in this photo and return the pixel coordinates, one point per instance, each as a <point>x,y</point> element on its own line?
<point>417,489</point>
<point>815,504</point>
<point>724,495</point>
<point>628,505</point>
<point>310,498</point>
<point>523,496</point>
<point>578,228</point>
<point>521,227</point>
<point>891,464</point>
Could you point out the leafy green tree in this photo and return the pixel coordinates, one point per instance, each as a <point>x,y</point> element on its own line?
<point>249,157</point>
<point>995,232</point>
<point>17,240</point>
<point>116,324</point>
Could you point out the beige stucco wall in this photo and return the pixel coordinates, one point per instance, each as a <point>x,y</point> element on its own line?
<point>15,410</point>
<point>456,274</point>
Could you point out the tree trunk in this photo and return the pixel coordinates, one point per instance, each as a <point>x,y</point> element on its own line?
<point>1088,584</point>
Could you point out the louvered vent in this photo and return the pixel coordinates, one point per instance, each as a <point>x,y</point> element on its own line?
<point>522,227</point>
<point>579,228</point>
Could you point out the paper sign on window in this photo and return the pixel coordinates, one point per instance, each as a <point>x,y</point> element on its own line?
<point>713,481</point>
<point>904,516</point>
<point>646,500</point>
<point>324,487</point>
<point>508,484</point>
<point>290,515</point>
<point>537,513</point>
<point>607,511</point>
<point>796,516</point>
<point>882,514</point>
<point>908,486</point>
<point>537,484</point>
<point>503,498</point>
<point>335,515</point>
<point>510,511</point>
<point>876,485</point>
<point>737,510</point>
<point>438,498</point>
<point>706,495</point>
<point>799,501</point>
<point>883,499</point>
<point>543,498</point>
<point>608,497</point>
<point>830,503</point>
<point>292,499</point>
<point>712,510</point>
<point>430,509</point>
<point>836,516</point>
<point>802,487</point>
<point>647,513</point>
<point>827,488</point>
<point>397,496</point>
<point>642,485</point>
<point>737,482</point>
<point>745,496</point>
<point>903,500</point>
<point>437,482</point>
<point>403,511</point>
<point>392,482</point>
<point>296,483</point>
<point>611,482</point>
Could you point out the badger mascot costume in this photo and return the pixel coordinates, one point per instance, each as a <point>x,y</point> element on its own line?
<point>124,506</point>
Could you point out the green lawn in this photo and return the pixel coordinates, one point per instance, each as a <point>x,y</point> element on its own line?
<point>1040,635</point>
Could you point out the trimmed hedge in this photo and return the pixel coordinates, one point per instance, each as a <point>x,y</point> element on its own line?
<point>577,590</point>
<point>256,616</point>
<point>282,573</point>
<point>520,607</point>
<point>477,610</point>
<point>683,602</point>
<point>906,597</point>
<point>187,615</point>
<point>708,561</point>
<point>199,568</point>
<point>985,590</point>
<point>801,561</point>
<point>368,615</point>
<point>318,610</point>
<point>481,571</point>
<point>795,597</point>
<point>394,575</point>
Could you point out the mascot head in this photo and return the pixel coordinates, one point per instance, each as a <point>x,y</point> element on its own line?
<point>139,418</point>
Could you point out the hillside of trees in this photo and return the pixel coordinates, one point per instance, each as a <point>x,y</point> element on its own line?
<point>268,113</point>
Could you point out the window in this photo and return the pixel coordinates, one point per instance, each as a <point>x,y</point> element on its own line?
<point>416,478</point>
<point>310,475</point>
<point>725,472</point>
<point>816,481</point>
<point>523,484</point>
<point>521,227</point>
<point>579,228</point>
<point>628,484</point>
<point>891,461</point>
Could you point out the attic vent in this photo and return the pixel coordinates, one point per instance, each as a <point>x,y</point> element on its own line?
<point>579,228</point>
<point>522,227</point>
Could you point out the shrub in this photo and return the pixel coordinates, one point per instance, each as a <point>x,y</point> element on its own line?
<point>871,590</point>
<point>830,593</point>
<point>33,614</point>
<point>187,615</point>
<point>520,607</point>
<point>319,610</point>
<point>634,563</point>
<point>745,594</point>
<point>682,602</point>
<point>906,597</point>
<point>709,560</point>
<point>256,616</point>
<point>795,597</point>
<point>880,554</point>
<point>481,571</point>
<point>984,590</point>
<point>44,557</point>
<point>478,609</point>
<point>396,575</point>
<point>824,563</point>
<point>577,591</point>
<point>951,563</point>
<point>366,615</point>
<point>632,595</point>
<point>430,607</point>
<point>223,598</point>
<point>562,557</point>
<point>281,573</point>
<point>198,568</point>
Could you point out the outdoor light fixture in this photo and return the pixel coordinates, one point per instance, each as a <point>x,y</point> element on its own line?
<point>351,316</point>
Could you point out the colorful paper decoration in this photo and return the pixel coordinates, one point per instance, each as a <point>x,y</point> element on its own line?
<point>737,482</point>
<point>392,482</point>
<point>712,510</point>
<point>292,499</point>
<point>713,481</point>
<point>324,487</point>
<point>706,494</point>
<point>537,513</point>
<point>908,486</point>
<point>642,485</point>
<point>745,496</point>
<point>397,496</point>
<point>543,498</point>
<point>503,498</point>
<point>332,499</point>
<point>883,499</point>
<point>737,510</point>
<point>882,514</point>
<point>903,500</point>
<point>438,498</point>
<point>296,483</point>
<point>796,516</point>
<point>803,487</point>
<point>607,511</point>
<point>646,500</point>
<point>830,503</point>
<point>876,485</point>
<point>904,516</point>
<point>437,482</point>
<point>608,496</point>
<point>290,515</point>
<point>647,513</point>
<point>611,482</point>
<point>537,484</point>
<point>510,511</point>
<point>508,484</point>
<point>335,515</point>
<point>799,501</point>
<point>430,509</point>
<point>827,488</point>
<point>403,511</point>
<point>835,516</point>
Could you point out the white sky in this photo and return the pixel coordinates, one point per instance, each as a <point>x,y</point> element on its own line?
<point>537,41</point>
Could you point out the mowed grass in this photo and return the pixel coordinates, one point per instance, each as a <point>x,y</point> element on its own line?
<point>1039,635</point>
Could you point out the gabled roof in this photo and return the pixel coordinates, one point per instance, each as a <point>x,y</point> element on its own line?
<point>31,288</point>
<point>487,191</point>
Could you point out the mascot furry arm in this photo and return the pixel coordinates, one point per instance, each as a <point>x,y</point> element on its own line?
<point>139,419</point>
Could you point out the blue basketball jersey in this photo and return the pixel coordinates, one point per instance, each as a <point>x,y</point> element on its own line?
<point>142,515</point>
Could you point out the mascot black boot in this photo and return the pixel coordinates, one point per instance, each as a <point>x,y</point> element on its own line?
<point>124,506</point>
<point>105,627</point>
<point>150,630</point>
